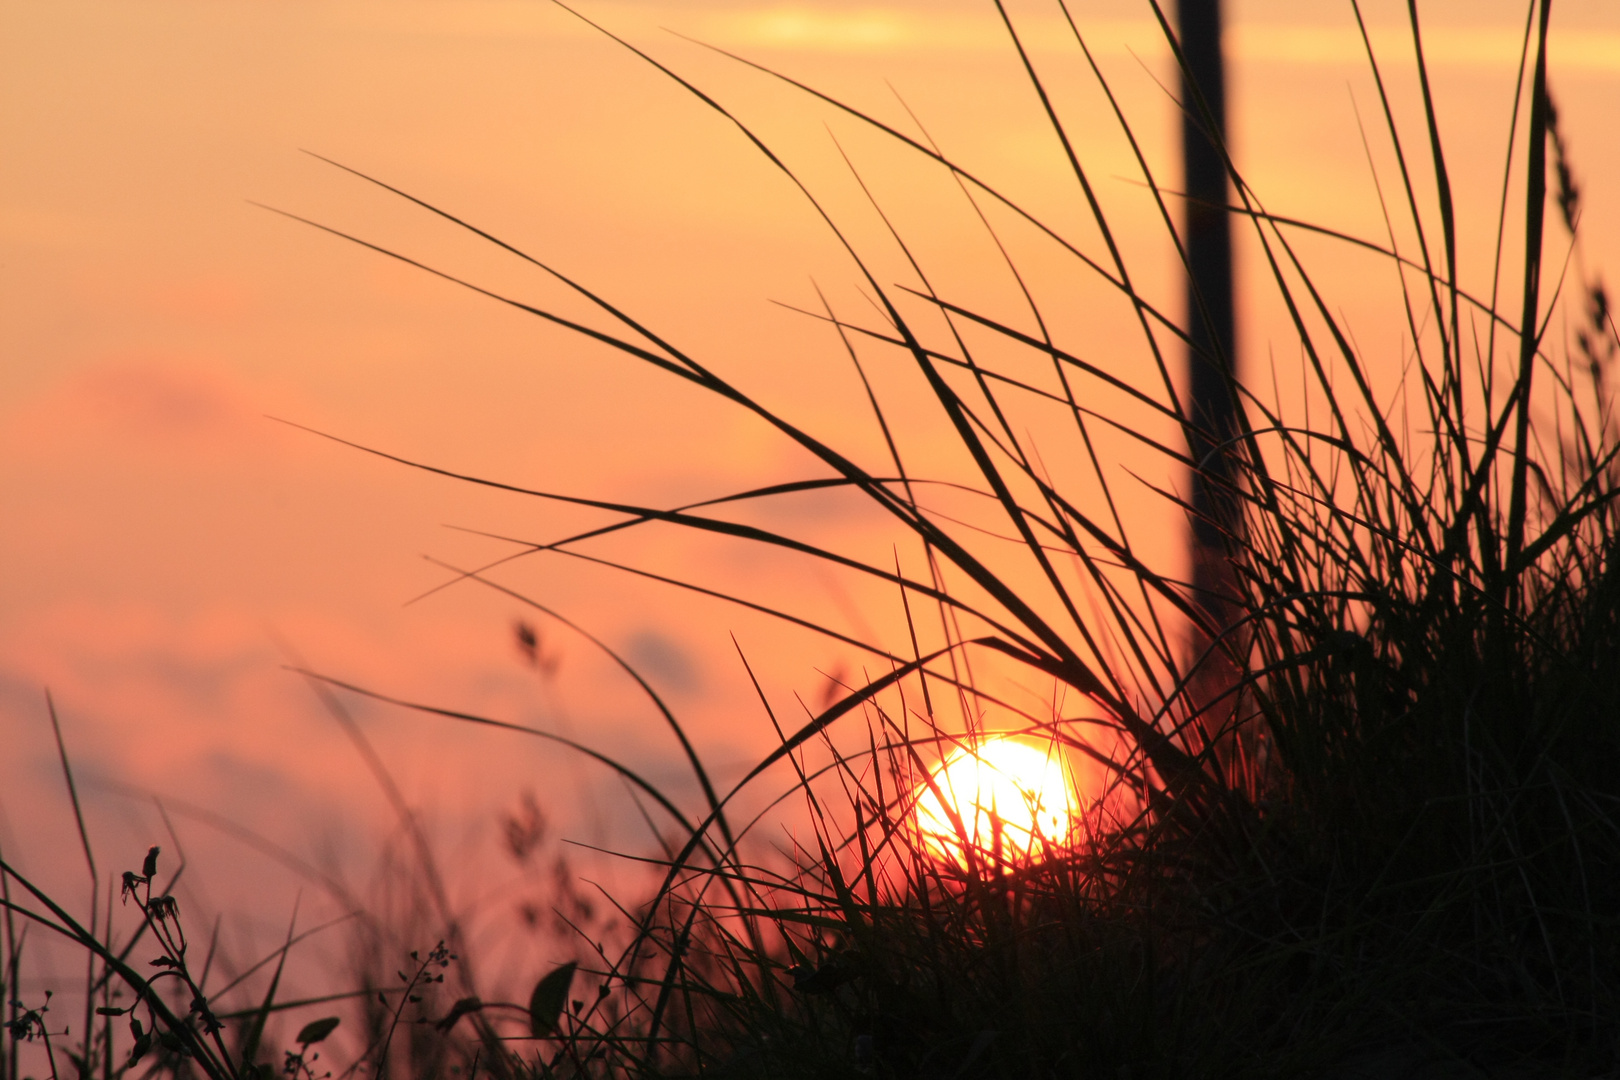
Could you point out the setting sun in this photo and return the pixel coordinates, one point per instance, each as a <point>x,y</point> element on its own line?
<point>1010,797</point>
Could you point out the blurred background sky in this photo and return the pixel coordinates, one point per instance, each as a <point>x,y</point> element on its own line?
<point>165,548</point>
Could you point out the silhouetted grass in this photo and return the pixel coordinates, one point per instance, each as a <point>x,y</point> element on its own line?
<point>1375,811</point>
<point>158,1002</point>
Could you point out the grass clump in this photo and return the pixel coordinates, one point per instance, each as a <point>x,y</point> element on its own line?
<point>1375,809</point>
<point>1359,801</point>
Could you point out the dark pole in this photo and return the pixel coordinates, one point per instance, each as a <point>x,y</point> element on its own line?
<point>1208,238</point>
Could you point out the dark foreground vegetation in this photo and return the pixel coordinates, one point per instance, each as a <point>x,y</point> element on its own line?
<point>1362,814</point>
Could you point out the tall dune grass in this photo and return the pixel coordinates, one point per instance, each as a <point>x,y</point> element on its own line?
<point>1375,808</point>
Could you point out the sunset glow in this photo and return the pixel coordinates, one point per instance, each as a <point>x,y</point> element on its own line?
<point>1014,801</point>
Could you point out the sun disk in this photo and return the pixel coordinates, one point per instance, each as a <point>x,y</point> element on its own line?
<point>1012,801</point>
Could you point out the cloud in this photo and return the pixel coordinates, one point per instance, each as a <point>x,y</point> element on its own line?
<point>896,29</point>
<point>150,402</point>
<point>923,28</point>
<point>663,662</point>
<point>156,401</point>
<point>1491,47</point>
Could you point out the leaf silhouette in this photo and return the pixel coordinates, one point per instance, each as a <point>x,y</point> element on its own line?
<point>316,1030</point>
<point>549,997</point>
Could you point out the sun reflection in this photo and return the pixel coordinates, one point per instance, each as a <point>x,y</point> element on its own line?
<point>1013,802</point>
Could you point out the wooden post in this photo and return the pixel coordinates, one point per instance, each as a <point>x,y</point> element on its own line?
<point>1207,234</point>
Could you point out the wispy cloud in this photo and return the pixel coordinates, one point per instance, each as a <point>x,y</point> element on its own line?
<point>896,29</point>
<point>899,28</point>
<point>1492,47</point>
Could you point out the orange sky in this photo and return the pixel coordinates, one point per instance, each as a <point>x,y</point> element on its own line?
<point>158,534</point>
